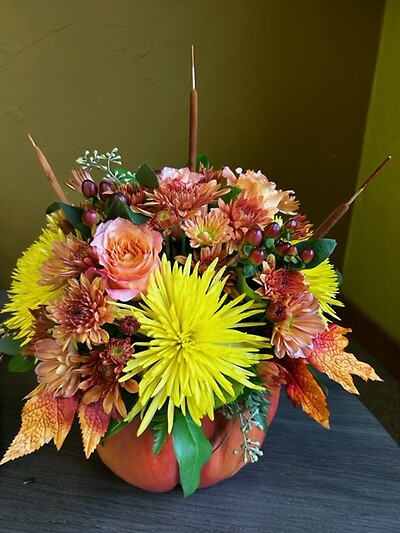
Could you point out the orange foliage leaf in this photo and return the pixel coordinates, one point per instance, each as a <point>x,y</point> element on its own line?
<point>302,389</point>
<point>328,356</point>
<point>94,423</point>
<point>44,417</point>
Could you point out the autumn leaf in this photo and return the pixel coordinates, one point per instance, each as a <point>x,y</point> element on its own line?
<point>302,389</point>
<point>65,413</point>
<point>329,356</point>
<point>44,417</point>
<point>94,423</point>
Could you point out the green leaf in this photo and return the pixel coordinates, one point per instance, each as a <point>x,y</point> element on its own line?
<point>74,215</point>
<point>19,363</point>
<point>146,176</point>
<point>322,249</point>
<point>256,402</point>
<point>249,270</point>
<point>192,451</point>
<point>125,176</point>
<point>237,391</point>
<point>9,345</point>
<point>248,248</point>
<point>243,287</point>
<point>269,242</point>
<point>120,209</point>
<point>202,159</point>
<point>159,428</point>
<point>114,427</point>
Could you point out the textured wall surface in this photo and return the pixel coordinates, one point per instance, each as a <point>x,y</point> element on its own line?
<point>371,268</point>
<point>284,86</point>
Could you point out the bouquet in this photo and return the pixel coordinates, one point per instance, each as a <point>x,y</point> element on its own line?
<point>169,299</point>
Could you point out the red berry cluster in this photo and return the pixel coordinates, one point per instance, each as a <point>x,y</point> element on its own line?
<point>97,196</point>
<point>274,238</point>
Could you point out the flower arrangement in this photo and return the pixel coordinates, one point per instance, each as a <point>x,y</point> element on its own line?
<point>169,298</point>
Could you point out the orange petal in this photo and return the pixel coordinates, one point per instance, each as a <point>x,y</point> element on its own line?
<point>270,373</point>
<point>44,417</point>
<point>328,356</point>
<point>302,389</point>
<point>94,423</point>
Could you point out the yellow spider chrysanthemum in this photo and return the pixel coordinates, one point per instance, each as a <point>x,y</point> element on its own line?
<point>324,285</point>
<point>194,353</point>
<point>25,292</point>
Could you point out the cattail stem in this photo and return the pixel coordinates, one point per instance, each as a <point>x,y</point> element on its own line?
<point>193,120</point>
<point>337,214</point>
<point>49,172</point>
<point>329,222</point>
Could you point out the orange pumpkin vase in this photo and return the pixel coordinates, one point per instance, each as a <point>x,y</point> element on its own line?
<point>131,458</point>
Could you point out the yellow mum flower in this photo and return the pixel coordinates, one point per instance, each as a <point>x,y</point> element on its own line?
<point>25,292</point>
<point>194,353</point>
<point>323,284</point>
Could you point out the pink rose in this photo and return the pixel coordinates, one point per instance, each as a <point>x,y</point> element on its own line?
<point>128,253</point>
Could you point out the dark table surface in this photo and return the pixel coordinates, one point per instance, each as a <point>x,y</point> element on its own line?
<point>309,480</point>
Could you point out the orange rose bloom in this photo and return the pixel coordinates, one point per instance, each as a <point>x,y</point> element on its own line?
<point>128,254</point>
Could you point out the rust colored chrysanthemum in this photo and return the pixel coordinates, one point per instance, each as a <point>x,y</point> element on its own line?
<point>243,214</point>
<point>101,371</point>
<point>180,202</point>
<point>70,258</point>
<point>80,312</point>
<point>278,283</point>
<point>211,174</point>
<point>288,204</point>
<point>135,194</point>
<point>58,367</point>
<point>78,177</point>
<point>303,229</point>
<point>299,323</point>
<point>208,229</point>
<point>129,325</point>
<point>40,327</point>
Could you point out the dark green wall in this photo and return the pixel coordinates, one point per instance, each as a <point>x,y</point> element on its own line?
<point>284,86</point>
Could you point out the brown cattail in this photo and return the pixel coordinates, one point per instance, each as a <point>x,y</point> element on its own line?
<point>48,171</point>
<point>193,120</point>
<point>329,222</point>
<point>337,214</point>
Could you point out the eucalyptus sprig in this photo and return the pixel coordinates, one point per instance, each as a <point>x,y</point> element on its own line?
<point>102,162</point>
